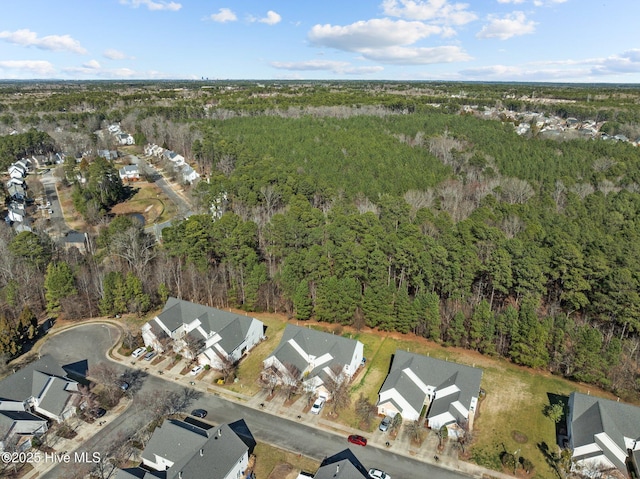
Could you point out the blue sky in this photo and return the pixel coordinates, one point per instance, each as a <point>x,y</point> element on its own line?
<point>474,40</point>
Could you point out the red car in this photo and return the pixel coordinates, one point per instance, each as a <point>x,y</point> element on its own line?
<point>359,440</point>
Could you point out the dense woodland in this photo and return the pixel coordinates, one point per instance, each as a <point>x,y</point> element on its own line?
<point>367,204</point>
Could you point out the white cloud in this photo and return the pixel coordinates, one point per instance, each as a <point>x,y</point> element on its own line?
<point>613,67</point>
<point>542,3</point>
<point>417,56</point>
<point>511,25</point>
<point>153,5</point>
<point>511,1</point>
<point>376,33</point>
<point>337,67</point>
<point>113,54</point>
<point>92,64</point>
<point>27,38</point>
<point>33,67</point>
<point>271,19</point>
<point>440,11</point>
<point>224,15</point>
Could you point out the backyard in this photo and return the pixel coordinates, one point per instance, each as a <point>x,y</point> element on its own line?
<point>510,416</point>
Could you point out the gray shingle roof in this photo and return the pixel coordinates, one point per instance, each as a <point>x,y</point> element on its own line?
<point>436,373</point>
<point>591,415</point>
<point>20,385</point>
<point>231,327</point>
<point>314,343</point>
<point>196,453</point>
<point>57,396</point>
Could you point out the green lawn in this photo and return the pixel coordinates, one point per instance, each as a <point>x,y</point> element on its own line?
<point>251,366</point>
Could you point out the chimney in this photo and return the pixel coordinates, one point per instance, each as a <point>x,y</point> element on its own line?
<point>180,475</point>
<point>219,432</point>
<point>201,452</point>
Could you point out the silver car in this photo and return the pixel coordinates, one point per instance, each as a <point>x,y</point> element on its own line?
<point>384,425</point>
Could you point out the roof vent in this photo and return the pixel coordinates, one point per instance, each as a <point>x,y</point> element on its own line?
<point>201,452</point>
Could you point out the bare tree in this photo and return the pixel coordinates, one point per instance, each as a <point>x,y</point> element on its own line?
<point>160,404</point>
<point>338,386</point>
<point>134,246</point>
<point>415,431</point>
<point>366,410</point>
<point>193,344</point>
<point>293,382</point>
<point>269,380</point>
<point>108,377</point>
<point>516,191</point>
<point>228,368</point>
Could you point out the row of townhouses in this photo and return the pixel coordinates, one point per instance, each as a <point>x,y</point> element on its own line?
<point>600,432</point>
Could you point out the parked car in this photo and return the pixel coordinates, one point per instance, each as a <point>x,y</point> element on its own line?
<point>138,352</point>
<point>318,405</point>
<point>385,423</point>
<point>150,355</point>
<point>356,439</point>
<point>199,413</point>
<point>99,412</point>
<point>197,370</point>
<point>378,474</point>
<point>124,385</point>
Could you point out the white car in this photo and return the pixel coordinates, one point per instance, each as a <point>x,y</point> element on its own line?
<point>197,370</point>
<point>317,406</point>
<point>378,474</point>
<point>138,352</point>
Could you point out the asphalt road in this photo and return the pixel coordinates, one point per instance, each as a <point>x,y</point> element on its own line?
<point>56,225</point>
<point>89,344</point>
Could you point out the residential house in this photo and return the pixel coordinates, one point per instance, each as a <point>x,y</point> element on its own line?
<point>16,192</point>
<point>17,428</point>
<point>603,433</point>
<point>17,181</point>
<point>446,390</point>
<point>75,239</point>
<point>39,392</point>
<point>24,163</point>
<point>108,154</point>
<point>195,450</point>
<point>15,212</point>
<point>175,158</point>
<point>17,171</point>
<point>343,465</point>
<point>218,335</point>
<point>129,172</point>
<point>189,175</point>
<point>41,387</point>
<point>313,357</point>
<point>125,139</point>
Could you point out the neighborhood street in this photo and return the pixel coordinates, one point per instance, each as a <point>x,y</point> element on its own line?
<point>87,345</point>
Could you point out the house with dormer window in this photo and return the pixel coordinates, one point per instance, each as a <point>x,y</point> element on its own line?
<point>447,391</point>
<point>220,335</point>
<point>312,356</point>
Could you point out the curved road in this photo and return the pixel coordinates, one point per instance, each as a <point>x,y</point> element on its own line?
<point>89,343</point>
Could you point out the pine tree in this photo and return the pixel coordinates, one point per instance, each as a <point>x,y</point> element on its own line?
<point>58,284</point>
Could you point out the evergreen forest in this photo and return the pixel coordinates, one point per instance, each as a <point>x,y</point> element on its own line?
<point>414,208</point>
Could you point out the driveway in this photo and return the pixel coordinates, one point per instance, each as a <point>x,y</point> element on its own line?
<point>90,342</point>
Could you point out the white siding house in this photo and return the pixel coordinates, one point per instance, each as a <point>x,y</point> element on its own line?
<point>221,335</point>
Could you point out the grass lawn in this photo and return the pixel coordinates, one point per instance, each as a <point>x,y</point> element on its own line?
<point>251,366</point>
<point>268,458</point>
<point>149,201</point>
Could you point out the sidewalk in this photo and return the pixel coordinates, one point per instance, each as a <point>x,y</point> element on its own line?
<point>401,445</point>
<point>295,412</point>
